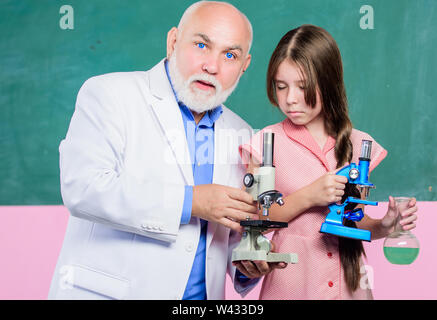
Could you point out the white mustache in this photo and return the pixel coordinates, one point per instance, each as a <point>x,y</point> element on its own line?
<point>194,98</point>
<point>207,78</point>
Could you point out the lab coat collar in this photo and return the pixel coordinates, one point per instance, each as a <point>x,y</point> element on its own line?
<point>167,111</point>
<point>301,135</point>
<point>160,87</point>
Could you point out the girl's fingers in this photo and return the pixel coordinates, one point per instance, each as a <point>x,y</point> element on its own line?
<point>340,186</point>
<point>408,220</point>
<point>408,216</point>
<point>412,202</point>
<point>341,179</point>
<point>409,212</point>
<point>409,227</point>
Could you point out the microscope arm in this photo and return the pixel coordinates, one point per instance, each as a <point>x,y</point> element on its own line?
<point>360,201</point>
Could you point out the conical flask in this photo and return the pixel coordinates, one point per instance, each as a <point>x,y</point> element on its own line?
<point>400,246</point>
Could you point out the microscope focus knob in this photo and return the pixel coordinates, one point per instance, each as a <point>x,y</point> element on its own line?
<point>248,180</point>
<point>354,173</point>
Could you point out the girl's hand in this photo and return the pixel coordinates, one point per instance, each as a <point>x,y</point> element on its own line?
<point>327,189</point>
<point>407,216</point>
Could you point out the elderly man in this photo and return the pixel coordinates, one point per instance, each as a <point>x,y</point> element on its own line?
<point>151,175</point>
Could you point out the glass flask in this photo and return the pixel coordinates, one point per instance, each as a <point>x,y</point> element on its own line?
<point>400,246</point>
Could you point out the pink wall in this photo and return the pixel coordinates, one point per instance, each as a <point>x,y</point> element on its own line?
<point>31,238</point>
<point>30,241</point>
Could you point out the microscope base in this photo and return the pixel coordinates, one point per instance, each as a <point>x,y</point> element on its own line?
<point>255,246</point>
<point>347,232</point>
<point>261,255</point>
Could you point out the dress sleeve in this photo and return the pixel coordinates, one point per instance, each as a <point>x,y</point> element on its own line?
<point>378,152</point>
<point>252,149</point>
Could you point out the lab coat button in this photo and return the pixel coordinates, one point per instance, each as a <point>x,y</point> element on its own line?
<point>155,227</point>
<point>161,228</point>
<point>148,227</point>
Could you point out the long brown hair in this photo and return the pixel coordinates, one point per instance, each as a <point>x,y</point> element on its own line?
<point>317,55</point>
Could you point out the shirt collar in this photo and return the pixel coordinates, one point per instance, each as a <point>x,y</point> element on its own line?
<point>301,135</point>
<point>208,119</point>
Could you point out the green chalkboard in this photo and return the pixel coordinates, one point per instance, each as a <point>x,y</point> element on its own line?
<point>390,75</point>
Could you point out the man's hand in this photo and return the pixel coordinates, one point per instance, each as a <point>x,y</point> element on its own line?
<point>258,268</point>
<point>225,205</point>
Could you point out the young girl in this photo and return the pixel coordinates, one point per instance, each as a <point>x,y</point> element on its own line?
<point>305,80</point>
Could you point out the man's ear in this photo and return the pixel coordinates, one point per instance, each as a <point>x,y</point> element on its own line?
<point>171,41</point>
<point>246,63</point>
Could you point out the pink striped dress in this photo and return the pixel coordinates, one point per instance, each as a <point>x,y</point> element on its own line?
<point>299,161</point>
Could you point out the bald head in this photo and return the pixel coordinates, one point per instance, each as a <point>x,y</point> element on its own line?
<point>203,9</point>
<point>208,53</point>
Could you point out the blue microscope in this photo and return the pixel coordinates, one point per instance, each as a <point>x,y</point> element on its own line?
<point>358,175</point>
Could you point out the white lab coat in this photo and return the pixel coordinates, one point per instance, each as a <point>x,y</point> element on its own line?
<point>124,164</point>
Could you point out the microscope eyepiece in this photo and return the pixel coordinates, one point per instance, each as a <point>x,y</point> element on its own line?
<point>366,150</point>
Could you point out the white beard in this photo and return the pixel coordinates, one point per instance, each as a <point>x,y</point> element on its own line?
<point>196,99</point>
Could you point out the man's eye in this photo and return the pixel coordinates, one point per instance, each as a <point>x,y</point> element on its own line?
<point>201,45</point>
<point>229,55</point>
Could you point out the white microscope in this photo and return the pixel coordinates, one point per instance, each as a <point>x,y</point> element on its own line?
<point>261,185</point>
